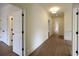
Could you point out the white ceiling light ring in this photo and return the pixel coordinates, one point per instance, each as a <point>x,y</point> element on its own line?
<point>54,12</point>
<point>54,9</point>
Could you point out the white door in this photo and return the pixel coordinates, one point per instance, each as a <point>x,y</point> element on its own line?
<point>17,32</point>
<point>76,31</point>
<point>74,46</point>
<point>10,30</point>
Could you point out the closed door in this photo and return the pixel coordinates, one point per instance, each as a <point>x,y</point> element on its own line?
<point>17,32</point>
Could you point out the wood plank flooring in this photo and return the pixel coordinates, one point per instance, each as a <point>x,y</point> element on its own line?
<point>55,46</point>
<point>6,50</point>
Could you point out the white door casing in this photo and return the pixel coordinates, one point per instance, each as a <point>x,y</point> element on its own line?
<point>74,47</point>
<point>78,32</point>
<point>75,31</point>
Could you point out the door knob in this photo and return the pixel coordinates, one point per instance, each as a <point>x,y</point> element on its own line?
<point>11,29</point>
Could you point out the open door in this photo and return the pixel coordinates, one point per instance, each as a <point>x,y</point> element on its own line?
<point>10,30</point>
<point>17,32</point>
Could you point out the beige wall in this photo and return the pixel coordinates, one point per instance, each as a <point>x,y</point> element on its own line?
<point>68,22</point>
<point>36,27</point>
<point>61,25</point>
<point>51,26</point>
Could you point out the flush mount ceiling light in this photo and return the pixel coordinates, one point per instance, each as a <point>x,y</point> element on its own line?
<point>54,9</point>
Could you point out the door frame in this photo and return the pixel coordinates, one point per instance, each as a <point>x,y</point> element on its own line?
<point>49,27</point>
<point>23,29</point>
<point>74,34</point>
<point>22,33</point>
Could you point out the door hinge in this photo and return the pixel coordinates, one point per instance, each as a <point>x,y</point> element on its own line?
<point>77,33</point>
<point>22,14</point>
<point>76,52</point>
<point>76,13</point>
<point>22,31</point>
<point>11,40</point>
<point>22,49</point>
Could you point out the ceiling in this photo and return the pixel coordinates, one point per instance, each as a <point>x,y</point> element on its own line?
<point>47,6</point>
<point>62,7</point>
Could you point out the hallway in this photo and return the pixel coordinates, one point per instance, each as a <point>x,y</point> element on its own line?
<point>6,50</point>
<point>55,46</point>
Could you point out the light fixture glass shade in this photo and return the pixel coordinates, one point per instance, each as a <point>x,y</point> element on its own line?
<point>53,12</point>
<point>54,9</point>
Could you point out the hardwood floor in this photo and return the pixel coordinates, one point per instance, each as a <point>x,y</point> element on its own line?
<point>55,46</point>
<point>6,50</point>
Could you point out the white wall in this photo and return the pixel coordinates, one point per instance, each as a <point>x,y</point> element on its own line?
<point>6,11</point>
<point>4,17</point>
<point>68,22</point>
<point>36,27</point>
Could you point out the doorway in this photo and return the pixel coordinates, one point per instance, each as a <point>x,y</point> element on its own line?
<point>56,24</point>
<point>16,31</point>
<point>56,30</point>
